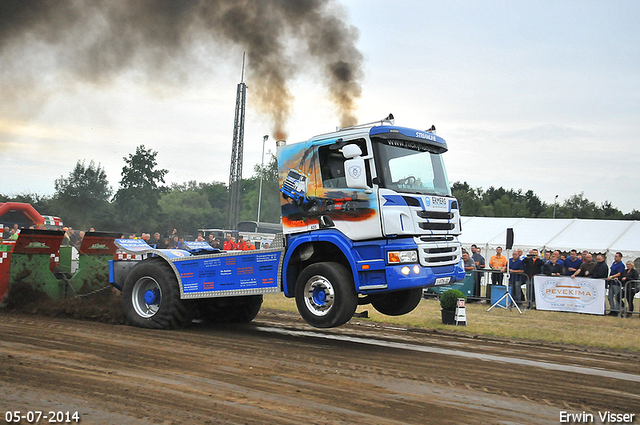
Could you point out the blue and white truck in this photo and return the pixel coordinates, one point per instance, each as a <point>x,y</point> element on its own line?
<point>367,216</point>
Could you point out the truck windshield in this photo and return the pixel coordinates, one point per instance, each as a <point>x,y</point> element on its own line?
<point>410,168</point>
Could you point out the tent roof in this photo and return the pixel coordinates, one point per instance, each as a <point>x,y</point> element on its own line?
<point>561,234</point>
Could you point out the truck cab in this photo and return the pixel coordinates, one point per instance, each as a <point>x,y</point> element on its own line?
<point>377,205</point>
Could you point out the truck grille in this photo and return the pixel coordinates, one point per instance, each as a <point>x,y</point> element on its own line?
<point>436,253</point>
<point>437,226</point>
<point>436,238</point>
<point>436,215</point>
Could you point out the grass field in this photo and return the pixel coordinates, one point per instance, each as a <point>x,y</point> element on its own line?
<point>570,328</point>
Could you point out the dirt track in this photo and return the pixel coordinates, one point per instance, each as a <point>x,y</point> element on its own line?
<point>279,370</point>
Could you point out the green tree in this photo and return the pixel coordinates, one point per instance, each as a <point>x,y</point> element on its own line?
<point>218,194</point>
<point>185,210</point>
<point>577,206</point>
<point>469,198</point>
<point>270,207</point>
<point>137,198</point>
<point>83,196</point>
<point>610,212</point>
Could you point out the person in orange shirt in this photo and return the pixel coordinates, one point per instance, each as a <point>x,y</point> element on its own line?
<point>498,262</point>
<point>230,243</point>
<point>242,245</point>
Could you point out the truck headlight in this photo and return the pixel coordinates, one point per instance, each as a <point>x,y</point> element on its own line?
<point>400,257</point>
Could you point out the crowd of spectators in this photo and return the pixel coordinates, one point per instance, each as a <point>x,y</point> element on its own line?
<point>10,233</point>
<point>553,263</point>
<point>175,241</point>
<point>172,240</point>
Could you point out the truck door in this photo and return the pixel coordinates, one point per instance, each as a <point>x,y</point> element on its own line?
<point>352,211</point>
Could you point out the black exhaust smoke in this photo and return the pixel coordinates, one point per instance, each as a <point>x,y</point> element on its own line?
<point>166,41</point>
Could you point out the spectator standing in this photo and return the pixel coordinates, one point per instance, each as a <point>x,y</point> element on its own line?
<point>498,262</point>
<point>210,239</point>
<point>628,276</point>
<point>553,267</point>
<point>532,265</point>
<point>469,264</point>
<point>174,242</point>
<point>559,259</point>
<point>242,245</point>
<point>230,243</point>
<point>614,283</point>
<point>181,244</point>
<point>227,241</point>
<point>477,257</point>
<point>601,269</point>
<point>158,241</point>
<point>572,264</point>
<point>516,271</point>
<point>587,266</point>
<point>479,262</point>
<point>74,239</point>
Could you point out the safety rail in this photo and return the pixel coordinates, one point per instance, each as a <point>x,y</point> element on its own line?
<point>629,291</point>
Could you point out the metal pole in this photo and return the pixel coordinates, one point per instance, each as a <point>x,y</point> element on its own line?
<point>555,201</point>
<point>264,140</point>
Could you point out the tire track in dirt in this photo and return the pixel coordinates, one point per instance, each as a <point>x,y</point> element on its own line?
<point>240,374</point>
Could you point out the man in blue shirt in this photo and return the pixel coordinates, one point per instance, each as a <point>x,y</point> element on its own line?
<point>614,284</point>
<point>516,269</point>
<point>572,264</point>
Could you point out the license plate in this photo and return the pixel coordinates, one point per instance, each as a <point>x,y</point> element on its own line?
<point>442,280</point>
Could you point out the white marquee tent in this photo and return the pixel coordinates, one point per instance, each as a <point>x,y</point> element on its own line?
<point>596,236</point>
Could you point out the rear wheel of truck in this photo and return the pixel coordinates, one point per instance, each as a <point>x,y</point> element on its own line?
<point>151,297</point>
<point>397,303</point>
<point>325,295</point>
<point>230,309</point>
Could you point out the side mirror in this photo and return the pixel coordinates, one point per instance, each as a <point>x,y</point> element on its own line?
<point>351,151</point>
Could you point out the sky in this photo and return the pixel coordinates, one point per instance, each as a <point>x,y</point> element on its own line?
<point>540,95</point>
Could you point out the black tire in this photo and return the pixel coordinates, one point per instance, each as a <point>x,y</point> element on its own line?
<point>151,297</point>
<point>397,303</point>
<point>230,309</point>
<point>325,295</point>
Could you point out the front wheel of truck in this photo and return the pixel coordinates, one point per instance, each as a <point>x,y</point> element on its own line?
<point>151,297</point>
<point>325,295</point>
<point>397,303</point>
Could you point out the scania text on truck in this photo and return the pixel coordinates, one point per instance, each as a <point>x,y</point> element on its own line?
<point>367,216</point>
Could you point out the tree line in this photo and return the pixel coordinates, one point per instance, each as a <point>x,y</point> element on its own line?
<point>143,203</point>
<point>503,202</point>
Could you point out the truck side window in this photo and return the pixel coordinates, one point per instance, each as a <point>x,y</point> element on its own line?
<point>332,168</point>
<point>332,164</point>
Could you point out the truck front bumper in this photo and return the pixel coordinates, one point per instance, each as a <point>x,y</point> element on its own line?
<point>408,276</point>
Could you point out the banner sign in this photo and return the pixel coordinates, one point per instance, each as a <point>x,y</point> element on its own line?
<point>561,293</point>
<point>250,270</point>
